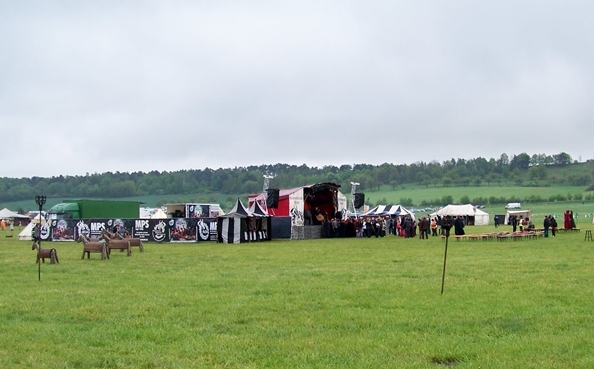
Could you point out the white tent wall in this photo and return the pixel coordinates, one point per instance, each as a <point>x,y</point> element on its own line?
<point>523,213</point>
<point>25,234</point>
<point>468,210</point>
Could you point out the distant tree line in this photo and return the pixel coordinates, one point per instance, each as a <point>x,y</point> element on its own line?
<point>521,169</point>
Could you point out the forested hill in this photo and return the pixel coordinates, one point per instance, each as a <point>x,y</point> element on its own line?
<point>521,169</point>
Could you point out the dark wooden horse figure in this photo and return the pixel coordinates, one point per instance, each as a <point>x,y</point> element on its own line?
<point>93,246</point>
<point>43,254</point>
<point>113,243</point>
<point>119,236</point>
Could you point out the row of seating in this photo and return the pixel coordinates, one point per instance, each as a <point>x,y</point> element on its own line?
<point>499,236</point>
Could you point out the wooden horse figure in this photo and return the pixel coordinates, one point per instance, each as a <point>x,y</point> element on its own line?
<point>113,243</point>
<point>43,254</point>
<point>119,236</point>
<point>93,246</point>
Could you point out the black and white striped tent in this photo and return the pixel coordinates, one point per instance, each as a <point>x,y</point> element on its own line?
<point>242,225</point>
<point>391,210</point>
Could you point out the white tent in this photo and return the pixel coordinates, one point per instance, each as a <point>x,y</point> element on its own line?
<point>159,214</point>
<point>391,210</point>
<point>468,210</point>
<point>5,214</point>
<point>25,234</point>
<point>523,213</point>
<point>38,219</point>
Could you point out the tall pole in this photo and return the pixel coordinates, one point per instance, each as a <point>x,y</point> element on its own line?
<point>353,191</point>
<point>39,200</point>
<point>447,227</point>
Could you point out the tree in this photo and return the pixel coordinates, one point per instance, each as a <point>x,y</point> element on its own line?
<point>464,199</point>
<point>562,159</point>
<point>503,161</point>
<point>521,161</point>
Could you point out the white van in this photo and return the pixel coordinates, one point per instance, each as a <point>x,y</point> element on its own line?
<point>513,205</point>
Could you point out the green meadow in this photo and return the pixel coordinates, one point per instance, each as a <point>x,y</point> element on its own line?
<point>330,303</point>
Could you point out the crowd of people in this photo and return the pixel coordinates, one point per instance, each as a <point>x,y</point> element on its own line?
<point>404,226</point>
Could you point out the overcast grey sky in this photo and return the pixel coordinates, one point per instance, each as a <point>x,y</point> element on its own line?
<point>96,86</point>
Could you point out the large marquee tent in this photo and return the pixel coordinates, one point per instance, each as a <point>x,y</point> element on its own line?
<point>472,215</point>
<point>8,214</point>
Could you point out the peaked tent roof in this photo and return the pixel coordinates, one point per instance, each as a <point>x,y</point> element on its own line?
<point>481,218</point>
<point>38,219</point>
<point>460,210</point>
<point>257,210</point>
<point>5,213</point>
<point>238,211</point>
<point>391,210</point>
<point>159,214</point>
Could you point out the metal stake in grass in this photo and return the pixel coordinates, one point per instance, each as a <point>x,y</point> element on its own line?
<point>446,224</point>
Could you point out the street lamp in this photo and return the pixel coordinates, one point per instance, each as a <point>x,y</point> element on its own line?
<point>39,200</point>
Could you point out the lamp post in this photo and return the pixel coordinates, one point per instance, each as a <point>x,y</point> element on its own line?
<point>447,225</point>
<point>39,200</point>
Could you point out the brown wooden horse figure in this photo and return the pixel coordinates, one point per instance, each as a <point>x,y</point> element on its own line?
<point>118,236</point>
<point>93,246</point>
<point>43,254</point>
<point>113,243</point>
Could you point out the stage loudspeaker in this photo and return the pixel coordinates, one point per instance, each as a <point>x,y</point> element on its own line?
<point>272,198</point>
<point>359,200</point>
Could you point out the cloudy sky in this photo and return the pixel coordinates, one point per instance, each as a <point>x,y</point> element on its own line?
<point>96,86</point>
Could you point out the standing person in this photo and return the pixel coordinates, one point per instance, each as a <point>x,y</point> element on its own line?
<point>364,226</point>
<point>424,228</point>
<point>459,226</point>
<point>377,225</point>
<point>514,223</point>
<point>2,224</point>
<point>433,227</point>
<point>335,227</point>
<point>546,224</point>
<point>553,225</point>
<point>405,227</point>
<point>11,225</point>
<point>571,220</point>
<point>566,220</point>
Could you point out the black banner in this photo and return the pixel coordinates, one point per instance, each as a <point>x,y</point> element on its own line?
<point>149,230</point>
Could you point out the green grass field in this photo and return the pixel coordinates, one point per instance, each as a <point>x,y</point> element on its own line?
<point>345,303</point>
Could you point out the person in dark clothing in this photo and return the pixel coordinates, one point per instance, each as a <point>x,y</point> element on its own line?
<point>423,228</point>
<point>459,226</point>
<point>553,225</point>
<point>546,225</point>
<point>514,223</point>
